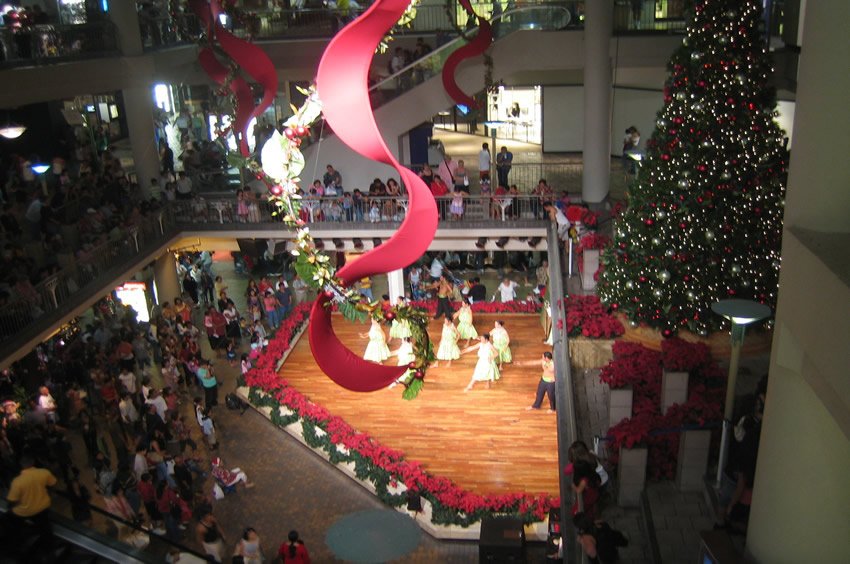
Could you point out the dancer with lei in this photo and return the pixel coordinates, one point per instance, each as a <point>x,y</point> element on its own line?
<point>376,350</point>
<point>448,349</point>
<point>486,369</point>
<point>465,328</point>
<point>400,328</point>
<point>502,342</point>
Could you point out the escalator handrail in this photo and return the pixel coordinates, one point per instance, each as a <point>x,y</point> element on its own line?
<point>460,39</point>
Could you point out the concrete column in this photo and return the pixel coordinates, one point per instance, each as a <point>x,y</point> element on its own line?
<point>138,109</point>
<point>395,281</point>
<point>126,20</point>
<point>165,278</point>
<point>674,389</point>
<point>598,27</point>
<point>692,461</point>
<point>619,405</point>
<point>631,476</point>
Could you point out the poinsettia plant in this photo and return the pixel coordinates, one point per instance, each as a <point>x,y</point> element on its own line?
<point>386,468</point>
<point>587,317</point>
<point>641,368</point>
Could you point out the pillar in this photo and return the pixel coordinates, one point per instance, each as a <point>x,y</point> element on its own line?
<point>138,109</point>
<point>598,28</point>
<point>165,278</point>
<point>395,281</point>
<point>126,20</point>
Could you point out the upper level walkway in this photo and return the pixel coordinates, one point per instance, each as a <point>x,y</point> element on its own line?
<point>509,223</point>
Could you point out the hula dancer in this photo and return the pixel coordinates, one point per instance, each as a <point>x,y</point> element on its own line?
<point>465,328</point>
<point>486,369</point>
<point>448,349</point>
<point>376,350</point>
<point>400,328</point>
<point>502,341</point>
<point>546,385</point>
<point>405,356</point>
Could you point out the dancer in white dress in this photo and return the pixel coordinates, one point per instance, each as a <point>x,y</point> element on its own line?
<point>400,328</point>
<point>405,356</point>
<point>486,369</point>
<point>502,341</point>
<point>376,350</point>
<point>464,322</point>
<point>448,349</point>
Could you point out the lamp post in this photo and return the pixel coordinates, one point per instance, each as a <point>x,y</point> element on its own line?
<point>740,313</point>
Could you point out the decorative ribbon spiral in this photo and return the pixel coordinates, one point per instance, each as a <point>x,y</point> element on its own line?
<point>472,49</point>
<point>246,56</point>
<point>342,85</point>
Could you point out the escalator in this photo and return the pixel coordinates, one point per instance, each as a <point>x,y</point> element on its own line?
<point>415,94</point>
<point>105,538</point>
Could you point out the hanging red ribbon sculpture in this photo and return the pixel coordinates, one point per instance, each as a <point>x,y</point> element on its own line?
<point>247,56</point>
<point>342,85</point>
<point>472,49</point>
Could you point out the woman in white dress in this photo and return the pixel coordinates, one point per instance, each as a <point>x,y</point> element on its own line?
<point>465,328</point>
<point>376,350</point>
<point>486,369</point>
<point>400,328</point>
<point>405,356</point>
<point>448,349</point>
<point>502,342</point>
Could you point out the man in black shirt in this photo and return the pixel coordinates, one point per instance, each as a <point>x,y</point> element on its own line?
<point>477,291</point>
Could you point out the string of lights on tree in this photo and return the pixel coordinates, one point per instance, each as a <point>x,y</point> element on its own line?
<point>704,216</point>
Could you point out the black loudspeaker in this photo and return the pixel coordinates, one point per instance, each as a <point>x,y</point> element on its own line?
<point>502,540</point>
<point>414,502</point>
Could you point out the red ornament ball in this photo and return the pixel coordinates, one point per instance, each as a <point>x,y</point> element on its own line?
<point>328,294</point>
<point>667,333</point>
<point>412,365</point>
<point>615,306</point>
<point>665,157</point>
<point>389,316</point>
<point>277,189</point>
<point>419,375</point>
<point>649,221</point>
<point>300,131</point>
<point>289,133</point>
<point>683,225</point>
<point>731,292</point>
<point>642,278</point>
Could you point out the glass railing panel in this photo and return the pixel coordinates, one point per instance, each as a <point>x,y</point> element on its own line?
<point>44,44</point>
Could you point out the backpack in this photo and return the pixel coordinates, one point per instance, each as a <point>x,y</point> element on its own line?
<point>607,542</point>
<point>232,401</point>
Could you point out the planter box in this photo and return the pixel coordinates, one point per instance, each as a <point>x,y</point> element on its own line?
<point>589,264</point>
<point>674,389</point>
<point>619,404</point>
<point>631,476</point>
<point>692,460</point>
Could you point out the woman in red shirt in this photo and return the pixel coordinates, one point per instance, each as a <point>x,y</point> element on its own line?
<point>440,190</point>
<point>293,551</point>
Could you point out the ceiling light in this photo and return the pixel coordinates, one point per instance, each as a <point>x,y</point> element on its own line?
<point>12,130</point>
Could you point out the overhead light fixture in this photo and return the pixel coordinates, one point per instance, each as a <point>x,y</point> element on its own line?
<point>502,242</point>
<point>481,242</point>
<point>338,243</point>
<point>358,243</point>
<point>534,241</point>
<point>319,244</point>
<point>40,168</point>
<point>376,242</point>
<point>12,130</point>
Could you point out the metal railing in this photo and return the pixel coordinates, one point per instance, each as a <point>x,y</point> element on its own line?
<point>546,16</point>
<point>330,211</point>
<point>45,44</point>
<point>164,31</point>
<point>55,292</point>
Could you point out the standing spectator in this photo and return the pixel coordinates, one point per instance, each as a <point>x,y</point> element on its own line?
<point>249,547</point>
<point>293,550</point>
<point>504,161</point>
<point>484,167</point>
<point>209,383</point>
<point>461,177</point>
<point>332,177</point>
<point>210,536</point>
<point>300,289</point>
<point>28,497</point>
<point>507,290</point>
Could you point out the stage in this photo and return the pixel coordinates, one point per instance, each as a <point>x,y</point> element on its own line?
<point>483,440</point>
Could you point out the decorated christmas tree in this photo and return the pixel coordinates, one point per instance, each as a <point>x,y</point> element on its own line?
<point>704,215</point>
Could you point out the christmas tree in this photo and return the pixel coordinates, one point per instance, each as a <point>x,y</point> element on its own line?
<point>704,215</point>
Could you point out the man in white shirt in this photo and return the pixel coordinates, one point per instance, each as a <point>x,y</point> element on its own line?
<point>507,290</point>
<point>184,187</point>
<point>155,399</point>
<point>484,164</point>
<point>436,269</point>
<point>558,217</point>
<point>128,380</point>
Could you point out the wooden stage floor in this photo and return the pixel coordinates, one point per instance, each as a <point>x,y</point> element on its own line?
<point>484,440</point>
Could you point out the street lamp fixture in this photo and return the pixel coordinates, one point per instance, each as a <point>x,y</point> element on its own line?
<point>12,130</point>
<point>740,313</point>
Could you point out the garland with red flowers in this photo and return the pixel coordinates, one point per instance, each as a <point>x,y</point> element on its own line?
<point>386,468</point>
<point>641,368</point>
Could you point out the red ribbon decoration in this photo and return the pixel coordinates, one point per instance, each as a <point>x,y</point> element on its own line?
<point>472,49</point>
<point>342,85</point>
<point>248,56</point>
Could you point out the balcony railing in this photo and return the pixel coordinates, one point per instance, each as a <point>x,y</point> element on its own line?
<point>47,44</point>
<point>91,268</point>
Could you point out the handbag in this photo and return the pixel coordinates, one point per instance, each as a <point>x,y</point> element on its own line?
<point>465,180</point>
